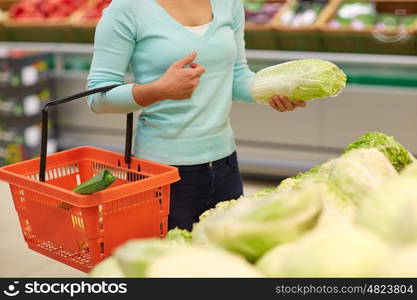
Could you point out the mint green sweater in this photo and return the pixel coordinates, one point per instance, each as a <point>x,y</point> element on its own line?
<point>142,35</point>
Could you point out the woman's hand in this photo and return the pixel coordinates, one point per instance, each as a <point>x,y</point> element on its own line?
<point>178,83</point>
<point>281,103</point>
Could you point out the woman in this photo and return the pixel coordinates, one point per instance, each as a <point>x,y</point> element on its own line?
<point>188,61</point>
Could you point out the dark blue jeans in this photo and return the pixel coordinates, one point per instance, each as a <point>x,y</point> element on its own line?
<point>201,187</point>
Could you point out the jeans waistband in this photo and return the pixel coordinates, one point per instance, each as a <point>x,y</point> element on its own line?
<point>226,160</point>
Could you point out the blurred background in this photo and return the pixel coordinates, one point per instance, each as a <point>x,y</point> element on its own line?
<point>46,49</point>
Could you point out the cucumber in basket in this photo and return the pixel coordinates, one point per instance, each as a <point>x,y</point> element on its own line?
<point>95,184</point>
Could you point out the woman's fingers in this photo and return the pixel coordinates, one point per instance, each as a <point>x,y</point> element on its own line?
<point>300,103</point>
<point>276,104</point>
<point>196,70</point>
<point>287,103</point>
<point>282,103</point>
<point>186,60</point>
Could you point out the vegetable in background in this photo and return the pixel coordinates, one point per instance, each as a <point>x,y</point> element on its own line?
<point>336,205</point>
<point>135,256</point>
<point>260,11</point>
<point>355,14</point>
<point>251,228</point>
<point>359,171</point>
<point>304,80</point>
<point>201,262</point>
<point>264,192</point>
<point>391,211</point>
<point>394,151</point>
<point>164,258</point>
<point>409,170</point>
<point>107,268</point>
<point>198,232</point>
<point>401,263</point>
<point>360,15</point>
<point>95,184</point>
<point>303,13</point>
<point>408,20</point>
<point>178,235</point>
<point>332,251</point>
<point>352,216</point>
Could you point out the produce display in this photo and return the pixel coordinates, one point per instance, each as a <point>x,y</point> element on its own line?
<point>303,13</point>
<point>360,15</point>
<point>94,10</point>
<point>394,151</point>
<point>261,11</point>
<point>3,15</point>
<point>95,184</point>
<point>304,80</point>
<point>353,216</point>
<point>35,10</point>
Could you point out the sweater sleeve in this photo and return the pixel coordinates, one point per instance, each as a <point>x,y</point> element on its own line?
<point>114,43</point>
<point>242,75</point>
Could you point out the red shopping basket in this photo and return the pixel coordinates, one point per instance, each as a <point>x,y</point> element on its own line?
<point>81,230</point>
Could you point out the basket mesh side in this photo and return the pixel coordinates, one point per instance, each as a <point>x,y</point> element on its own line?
<point>81,237</point>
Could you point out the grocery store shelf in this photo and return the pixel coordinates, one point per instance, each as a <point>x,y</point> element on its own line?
<point>391,90</point>
<point>261,55</point>
<point>48,47</point>
<point>266,55</point>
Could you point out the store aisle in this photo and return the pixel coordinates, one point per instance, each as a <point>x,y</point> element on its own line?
<point>16,260</point>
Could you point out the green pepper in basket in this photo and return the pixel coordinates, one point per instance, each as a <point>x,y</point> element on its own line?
<point>95,184</point>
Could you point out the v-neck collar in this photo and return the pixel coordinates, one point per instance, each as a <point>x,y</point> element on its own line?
<point>183,28</point>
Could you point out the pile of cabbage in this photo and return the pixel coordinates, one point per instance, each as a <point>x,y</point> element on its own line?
<point>304,79</point>
<point>353,216</point>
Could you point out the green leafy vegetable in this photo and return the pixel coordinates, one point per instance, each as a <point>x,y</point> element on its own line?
<point>164,258</point>
<point>394,151</point>
<point>401,263</point>
<point>359,171</point>
<point>304,80</point>
<point>182,236</point>
<point>95,184</point>
<point>201,262</point>
<point>253,227</point>
<point>135,256</point>
<point>338,251</point>
<point>391,211</point>
<point>410,170</point>
<point>264,192</point>
<point>198,232</point>
<point>107,268</point>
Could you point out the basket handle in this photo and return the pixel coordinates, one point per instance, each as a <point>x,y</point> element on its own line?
<point>45,107</point>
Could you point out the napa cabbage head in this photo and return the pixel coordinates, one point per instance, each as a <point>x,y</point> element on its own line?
<point>410,170</point>
<point>339,251</point>
<point>391,211</point>
<point>360,171</point>
<point>135,255</point>
<point>178,235</point>
<point>251,228</point>
<point>397,154</point>
<point>315,174</point>
<point>109,267</point>
<point>264,192</point>
<point>402,263</point>
<point>198,232</point>
<point>153,257</point>
<point>201,262</point>
<point>303,80</point>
